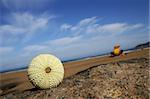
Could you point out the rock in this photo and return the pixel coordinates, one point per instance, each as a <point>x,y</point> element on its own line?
<point>108,81</point>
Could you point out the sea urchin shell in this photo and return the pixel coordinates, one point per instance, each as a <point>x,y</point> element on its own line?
<point>46,71</point>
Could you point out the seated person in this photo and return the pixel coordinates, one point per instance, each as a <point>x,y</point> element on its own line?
<point>117,51</point>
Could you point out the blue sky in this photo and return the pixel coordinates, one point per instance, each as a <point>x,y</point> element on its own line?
<point>68,28</point>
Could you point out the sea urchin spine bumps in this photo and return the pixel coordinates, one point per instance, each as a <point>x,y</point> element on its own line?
<point>46,71</point>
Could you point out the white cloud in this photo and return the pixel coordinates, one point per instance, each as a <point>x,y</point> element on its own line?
<point>81,26</point>
<point>22,27</point>
<point>34,48</point>
<point>112,28</point>
<point>64,41</point>
<point>11,30</point>
<point>118,27</point>
<point>136,26</point>
<point>91,25</point>
<point>87,21</point>
<point>65,27</point>
<point>51,46</point>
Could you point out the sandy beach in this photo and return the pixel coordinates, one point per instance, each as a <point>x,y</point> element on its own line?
<point>123,77</point>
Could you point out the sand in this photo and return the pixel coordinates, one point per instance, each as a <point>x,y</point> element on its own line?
<point>126,79</point>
